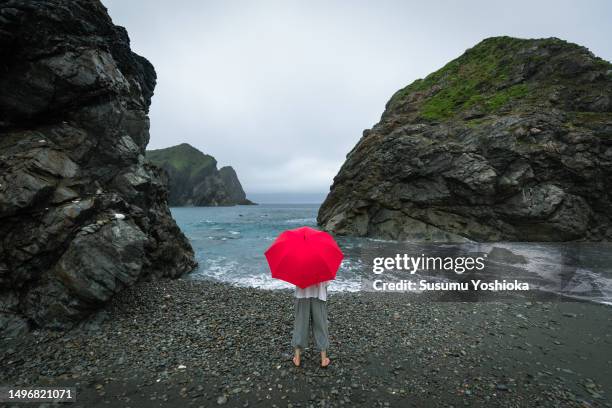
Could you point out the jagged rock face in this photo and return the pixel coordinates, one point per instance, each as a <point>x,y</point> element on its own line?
<point>511,141</point>
<point>194,179</point>
<point>232,185</point>
<point>82,215</point>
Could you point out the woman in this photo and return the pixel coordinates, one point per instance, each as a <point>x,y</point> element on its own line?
<point>311,302</point>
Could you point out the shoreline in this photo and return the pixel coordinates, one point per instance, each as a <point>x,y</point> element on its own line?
<point>198,343</point>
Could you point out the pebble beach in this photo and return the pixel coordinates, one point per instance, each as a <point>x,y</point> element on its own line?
<point>188,343</point>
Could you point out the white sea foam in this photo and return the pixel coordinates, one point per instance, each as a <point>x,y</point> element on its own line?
<point>351,265</point>
<point>233,272</point>
<point>548,262</point>
<point>381,240</point>
<point>262,281</point>
<point>342,285</point>
<point>265,281</point>
<point>303,221</point>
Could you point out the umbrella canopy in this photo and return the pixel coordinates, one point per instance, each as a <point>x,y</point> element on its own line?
<point>304,256</point>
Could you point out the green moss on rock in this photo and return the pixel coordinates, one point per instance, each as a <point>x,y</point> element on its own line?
<point>183,158</point>
<point>492,76</point>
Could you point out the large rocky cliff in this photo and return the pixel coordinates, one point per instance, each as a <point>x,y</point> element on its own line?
<point>82,214</point>
<point>510,141</point>
<point>194,180</point>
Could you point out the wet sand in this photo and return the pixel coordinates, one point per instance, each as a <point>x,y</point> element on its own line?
<point>201,343</point>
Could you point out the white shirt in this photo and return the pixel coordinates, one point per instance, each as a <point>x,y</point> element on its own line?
<point>318,291</point>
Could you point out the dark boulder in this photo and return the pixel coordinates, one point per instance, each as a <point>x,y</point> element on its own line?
<point>82,214</point>
<point>510,141</point>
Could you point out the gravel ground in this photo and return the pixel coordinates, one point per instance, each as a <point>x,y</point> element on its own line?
<point>201,343</point>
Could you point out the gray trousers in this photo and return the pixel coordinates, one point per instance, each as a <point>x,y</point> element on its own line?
<point>305,309</point>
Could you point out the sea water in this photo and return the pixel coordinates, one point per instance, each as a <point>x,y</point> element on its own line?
<point>229,245</point>
<point>229,242</point>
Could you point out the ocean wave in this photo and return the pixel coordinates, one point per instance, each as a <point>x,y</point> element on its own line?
<point>223,237</point>
<point>345,285</point>
<point>233,272</point>
<point>304,221</point>
<point>261,281</point>
<point>352,265</point>
<point>206,221</point>
<point>381,240</point>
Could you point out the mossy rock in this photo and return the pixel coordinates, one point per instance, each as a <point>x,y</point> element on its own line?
<point>497,75</point>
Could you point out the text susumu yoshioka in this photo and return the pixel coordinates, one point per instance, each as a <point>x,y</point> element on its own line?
<point>424,285</point>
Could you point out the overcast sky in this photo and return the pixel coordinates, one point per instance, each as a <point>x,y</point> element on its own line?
<point>282,90</point>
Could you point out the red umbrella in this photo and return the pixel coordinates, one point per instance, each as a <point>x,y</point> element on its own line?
<point>304,256</point>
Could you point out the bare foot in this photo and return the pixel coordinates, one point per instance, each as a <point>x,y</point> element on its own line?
<point>325,361</point>
<point>296,359</point>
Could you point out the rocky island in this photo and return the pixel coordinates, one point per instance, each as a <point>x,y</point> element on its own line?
<point>510,141</point>
<point>194,180</point>
<point>83,215</point>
